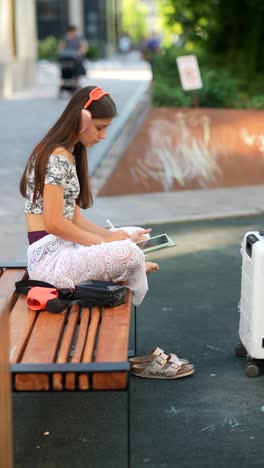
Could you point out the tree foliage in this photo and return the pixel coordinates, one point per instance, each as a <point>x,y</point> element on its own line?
<point>134,19</point>
<point>231,29</point>
<point>192,15</point>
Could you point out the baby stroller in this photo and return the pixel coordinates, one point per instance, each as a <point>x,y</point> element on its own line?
<point>70,67</point>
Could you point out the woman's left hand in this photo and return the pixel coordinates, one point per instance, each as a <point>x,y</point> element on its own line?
<point>140,235</point>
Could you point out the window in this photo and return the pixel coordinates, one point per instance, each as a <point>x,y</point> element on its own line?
<point>52,17</point>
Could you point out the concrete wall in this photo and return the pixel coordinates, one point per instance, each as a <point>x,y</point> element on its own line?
<point>17,50</point>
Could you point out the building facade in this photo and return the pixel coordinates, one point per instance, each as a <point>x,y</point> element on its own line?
<point>102,24</point>
<point>17,45</point>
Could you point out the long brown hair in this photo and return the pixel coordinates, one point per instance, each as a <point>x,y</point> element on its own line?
<point>65,133</point>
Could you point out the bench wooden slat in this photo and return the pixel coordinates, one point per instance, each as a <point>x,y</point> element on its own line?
<point>70,378</point>
<point>7,284</point>
<point>21,322</point>
<point>41,348</point>
<point>66,343</point>
<point>88,352</point>
<point>113,345</point>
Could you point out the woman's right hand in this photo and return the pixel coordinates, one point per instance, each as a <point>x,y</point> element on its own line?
<point>117,235</point>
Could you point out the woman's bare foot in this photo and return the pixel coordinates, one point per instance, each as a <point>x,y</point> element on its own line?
<point>151,267</point>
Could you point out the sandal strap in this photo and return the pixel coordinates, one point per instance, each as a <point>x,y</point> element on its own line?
<point>173,359</point>
<point>158,352</point>
<point>161,359</point>
<point>162,366</point>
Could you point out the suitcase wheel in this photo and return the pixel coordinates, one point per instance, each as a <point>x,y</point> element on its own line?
<point>252,369</point>
<point>240,350</point>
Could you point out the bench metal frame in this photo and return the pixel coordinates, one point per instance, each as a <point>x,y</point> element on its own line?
<point>81,368</point>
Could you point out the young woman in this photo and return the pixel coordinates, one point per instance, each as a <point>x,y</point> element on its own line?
<point>66,248</point>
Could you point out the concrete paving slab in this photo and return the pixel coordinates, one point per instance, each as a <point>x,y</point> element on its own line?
<point>155,208</point>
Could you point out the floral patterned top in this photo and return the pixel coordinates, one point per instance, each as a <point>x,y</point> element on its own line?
<point>60,171</point>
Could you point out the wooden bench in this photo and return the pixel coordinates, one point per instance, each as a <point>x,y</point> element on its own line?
<point>76,350</point>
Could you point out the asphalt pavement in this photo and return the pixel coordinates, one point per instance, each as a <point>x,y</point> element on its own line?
<point>213,419</point>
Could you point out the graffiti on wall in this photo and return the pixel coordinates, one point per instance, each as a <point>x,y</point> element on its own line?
<point>186,149</point>
<point>251,139</point>
<point>176,153</point>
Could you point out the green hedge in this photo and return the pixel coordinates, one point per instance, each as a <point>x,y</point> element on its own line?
<point>256,102</point>
<point>221,87</point>
<point>167,96</point>
<point>93,52</point>
<point>47,48</point>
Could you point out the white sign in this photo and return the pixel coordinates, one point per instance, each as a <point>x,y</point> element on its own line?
<point>189,72</point>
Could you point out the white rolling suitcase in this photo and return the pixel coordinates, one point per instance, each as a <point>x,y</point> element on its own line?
<point>251,325</point>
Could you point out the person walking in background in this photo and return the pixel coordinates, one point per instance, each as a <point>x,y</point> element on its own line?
<point>124,44</point>
<point>65,247</point>
<point>74,45</point>
<point>150,50</point>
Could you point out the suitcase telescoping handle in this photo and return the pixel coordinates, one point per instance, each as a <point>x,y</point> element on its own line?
<point>251,239</point>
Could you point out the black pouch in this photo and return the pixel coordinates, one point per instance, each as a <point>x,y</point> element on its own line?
<point>101,293</point>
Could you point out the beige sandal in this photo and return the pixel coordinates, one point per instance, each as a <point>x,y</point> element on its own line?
<point>162,367</point>
<point>153,354</point>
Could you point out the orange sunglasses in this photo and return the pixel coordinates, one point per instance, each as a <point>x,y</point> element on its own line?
<point>95,95</point>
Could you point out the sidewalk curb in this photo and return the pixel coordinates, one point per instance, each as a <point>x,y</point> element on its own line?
<point>98,153</point>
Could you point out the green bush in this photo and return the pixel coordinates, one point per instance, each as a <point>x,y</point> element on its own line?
<point>93,52</point>
<point>165,69</point>
<point>166,89</point>
<point>256,102</point>
<point>47,48</point>
<point>220,89</point>
<point>164,95</point>
<point>221,85</point>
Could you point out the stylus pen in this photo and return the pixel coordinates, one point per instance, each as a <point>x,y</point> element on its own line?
<point>110,224</point>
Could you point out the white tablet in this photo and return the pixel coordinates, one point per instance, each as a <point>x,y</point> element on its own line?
<point>157,242</point>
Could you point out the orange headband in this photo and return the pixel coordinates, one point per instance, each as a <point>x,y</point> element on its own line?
<point>95,95</point>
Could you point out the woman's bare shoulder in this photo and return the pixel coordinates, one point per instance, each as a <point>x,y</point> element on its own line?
<point>60,150</point>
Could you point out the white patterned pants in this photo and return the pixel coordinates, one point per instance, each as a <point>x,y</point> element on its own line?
<point>65,264</point>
